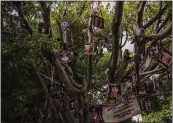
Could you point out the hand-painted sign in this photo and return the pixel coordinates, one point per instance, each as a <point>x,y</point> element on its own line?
<point>126,107</point>
<point>122,111</point>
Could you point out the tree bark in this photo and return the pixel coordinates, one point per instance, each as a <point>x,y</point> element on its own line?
<point>115,40</point>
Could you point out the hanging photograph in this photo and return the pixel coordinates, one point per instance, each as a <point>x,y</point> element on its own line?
<point>166,58</point>
<point>147,105</point>
<point>88,49</point>
<point>96,113</point>
<point>154,50</point>
<point>97,21</point>
<point>114,91</point>
<point>74,104</point>
<point>60,92</point>
<point>126,91</point>
<point>141,90</point>
<point>64,57</point>
<point>43,28</point>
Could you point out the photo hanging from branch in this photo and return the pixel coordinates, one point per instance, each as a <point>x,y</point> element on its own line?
<point>43,28</point>
<point>114,91</point>
<point>96,113</point>
<point>166,59</point>
<point>154,50</point>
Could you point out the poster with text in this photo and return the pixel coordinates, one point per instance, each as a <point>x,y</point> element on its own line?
<point>122,111</point>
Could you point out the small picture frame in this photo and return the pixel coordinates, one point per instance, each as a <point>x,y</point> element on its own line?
<point>114,92</point>
<point>96,113</point>
<point>147,104</point>
<point>74,104</point>
<point>142,90</point>
<point>154,50</point>
<point>64,25</point>
<point>166,59</point>
<point>65,57</point>
<point>43,28</point>
<point>88,49</point>
<point>97,21</point>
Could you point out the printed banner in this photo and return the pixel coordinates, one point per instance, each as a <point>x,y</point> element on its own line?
<point>127,107</point>
<point>96,113</point>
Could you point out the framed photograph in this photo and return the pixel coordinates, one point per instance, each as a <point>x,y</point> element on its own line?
<point>154,50</point>
<point>74,104</point>
<point>114,91</point>
<point>43,28</point>
<point>147,104</point>
<point>97,21</point>
<point>96,113</point>
<point>166,59</point>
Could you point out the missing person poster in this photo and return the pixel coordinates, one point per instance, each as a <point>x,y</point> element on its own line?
<point>96,113</point>
<point>124,110</point>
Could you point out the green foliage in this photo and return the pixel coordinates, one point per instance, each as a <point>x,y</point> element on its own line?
<point>157,116</point>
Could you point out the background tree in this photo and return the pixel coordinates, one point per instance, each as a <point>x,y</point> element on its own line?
<point>30,61</point>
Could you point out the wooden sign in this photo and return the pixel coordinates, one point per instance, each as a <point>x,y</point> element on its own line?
<point>43,28</point>
<point>97,21</point>
<point>114,91</point>
<point>96,114</point>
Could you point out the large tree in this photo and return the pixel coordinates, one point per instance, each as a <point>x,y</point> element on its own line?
<point>32,62</point>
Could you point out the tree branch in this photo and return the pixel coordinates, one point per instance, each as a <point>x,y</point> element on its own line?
<point>115,39</point>
<point>159,19</point>
<point>140,13</point>
<point>160,13</point>
<point>152,72</point>
<point>26,23</point>
<point>79,14</point>
<point>163,23</point>
<point>46,15</point>
<point>160,35</point>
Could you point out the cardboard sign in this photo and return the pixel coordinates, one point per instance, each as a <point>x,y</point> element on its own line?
<point>96,113</point>
<point>122,111</point>
<point>114,92</point>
